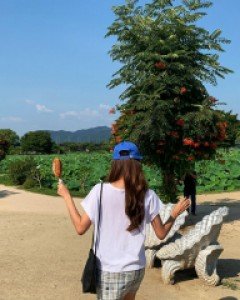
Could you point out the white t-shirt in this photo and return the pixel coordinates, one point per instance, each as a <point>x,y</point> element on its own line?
<point>119,250</point>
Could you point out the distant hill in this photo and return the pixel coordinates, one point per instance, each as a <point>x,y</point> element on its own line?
<point>93,135</point>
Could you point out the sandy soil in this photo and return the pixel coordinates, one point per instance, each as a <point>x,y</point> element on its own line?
<point>41,257</point>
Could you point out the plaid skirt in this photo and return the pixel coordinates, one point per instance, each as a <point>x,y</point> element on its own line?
<point>114,286</point>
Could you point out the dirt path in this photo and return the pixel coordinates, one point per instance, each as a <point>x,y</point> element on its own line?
<point>41,257</point>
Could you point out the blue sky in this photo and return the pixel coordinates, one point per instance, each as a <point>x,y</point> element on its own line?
<point>54,65</point>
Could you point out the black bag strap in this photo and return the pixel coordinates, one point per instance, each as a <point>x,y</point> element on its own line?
<point>99,220</point>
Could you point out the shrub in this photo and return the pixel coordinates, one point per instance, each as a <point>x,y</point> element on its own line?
<point>20,170</point>
<point>29,183</point>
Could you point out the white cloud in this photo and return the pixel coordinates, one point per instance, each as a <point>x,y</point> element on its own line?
<point>69,114</point>
<point>11,119</point>
<point>87,112</point>
<point>39,107</point>
<point>43,108</point>
<point>100,111</point>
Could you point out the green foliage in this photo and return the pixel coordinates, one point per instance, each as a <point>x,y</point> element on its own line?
<point>16,150</point>
<point>4,146</point>
<point>82,147</point>
<point>165,60</point>
<point>230,284</point>
<point>10,136</point>
<point>6,138</point>
<point>5,180</point>
<point>238,133</point>
<point>21,169</point>
<point>37,142</point>
<point>222,174</point>
<point>29,183</point>
<point>82,171</point>
<point>8,141</point>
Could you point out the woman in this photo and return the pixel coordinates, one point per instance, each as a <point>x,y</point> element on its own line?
<point>127,206</point>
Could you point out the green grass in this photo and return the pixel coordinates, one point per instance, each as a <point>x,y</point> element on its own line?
<point>4,179</point>
<point>230,285</point>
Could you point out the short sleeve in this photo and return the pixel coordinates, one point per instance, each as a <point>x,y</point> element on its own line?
<point>91,202</point>
<point>155,205</point>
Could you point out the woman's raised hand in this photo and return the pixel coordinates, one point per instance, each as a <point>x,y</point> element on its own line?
<point>63,190</point>
<point>180,207</point>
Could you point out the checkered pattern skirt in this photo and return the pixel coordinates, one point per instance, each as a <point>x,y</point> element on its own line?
<point>114,286</point>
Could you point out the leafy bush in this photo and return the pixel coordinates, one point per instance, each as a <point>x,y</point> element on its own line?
<point>29,183</point>
<point>4,179</point>
<point>82,171</point>
<point>20,170</point>
<point>37,142</point>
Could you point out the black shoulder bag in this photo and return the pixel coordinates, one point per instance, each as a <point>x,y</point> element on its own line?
<point>89,276</point>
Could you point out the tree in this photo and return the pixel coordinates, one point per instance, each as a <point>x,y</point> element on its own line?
<point>37,142</point>
<point>165,60</point>
<point>238,132</point>
<point>232,131</point>
<point>4,146</point>
<point>10,136</point>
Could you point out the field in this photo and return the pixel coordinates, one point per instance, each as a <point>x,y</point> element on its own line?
<point>83,170</point>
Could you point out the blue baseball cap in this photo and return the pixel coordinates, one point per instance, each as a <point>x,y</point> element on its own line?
<point>126,150</point>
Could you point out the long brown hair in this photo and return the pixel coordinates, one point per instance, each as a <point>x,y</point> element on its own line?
<point>135,188</point>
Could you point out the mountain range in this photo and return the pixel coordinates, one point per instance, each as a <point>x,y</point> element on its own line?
<point>92,135</point>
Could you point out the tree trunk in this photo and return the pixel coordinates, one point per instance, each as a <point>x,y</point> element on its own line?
<point>169,186</point>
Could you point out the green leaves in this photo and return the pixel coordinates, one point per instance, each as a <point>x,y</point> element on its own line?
<point>83,171</point>
<point>217,176</point>
<point>216,34</point>
<point>165,60</point>
<point>197,4</point>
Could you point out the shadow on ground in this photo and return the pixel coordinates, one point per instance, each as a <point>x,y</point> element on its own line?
<point>206,208</point>
<point>228,268</point>
<point>228,298</point>
<point>185,275</point>
<point>6,193</point>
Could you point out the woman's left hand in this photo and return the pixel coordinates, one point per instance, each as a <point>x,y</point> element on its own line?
<point>63,190</point>
<point>180,207</point>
